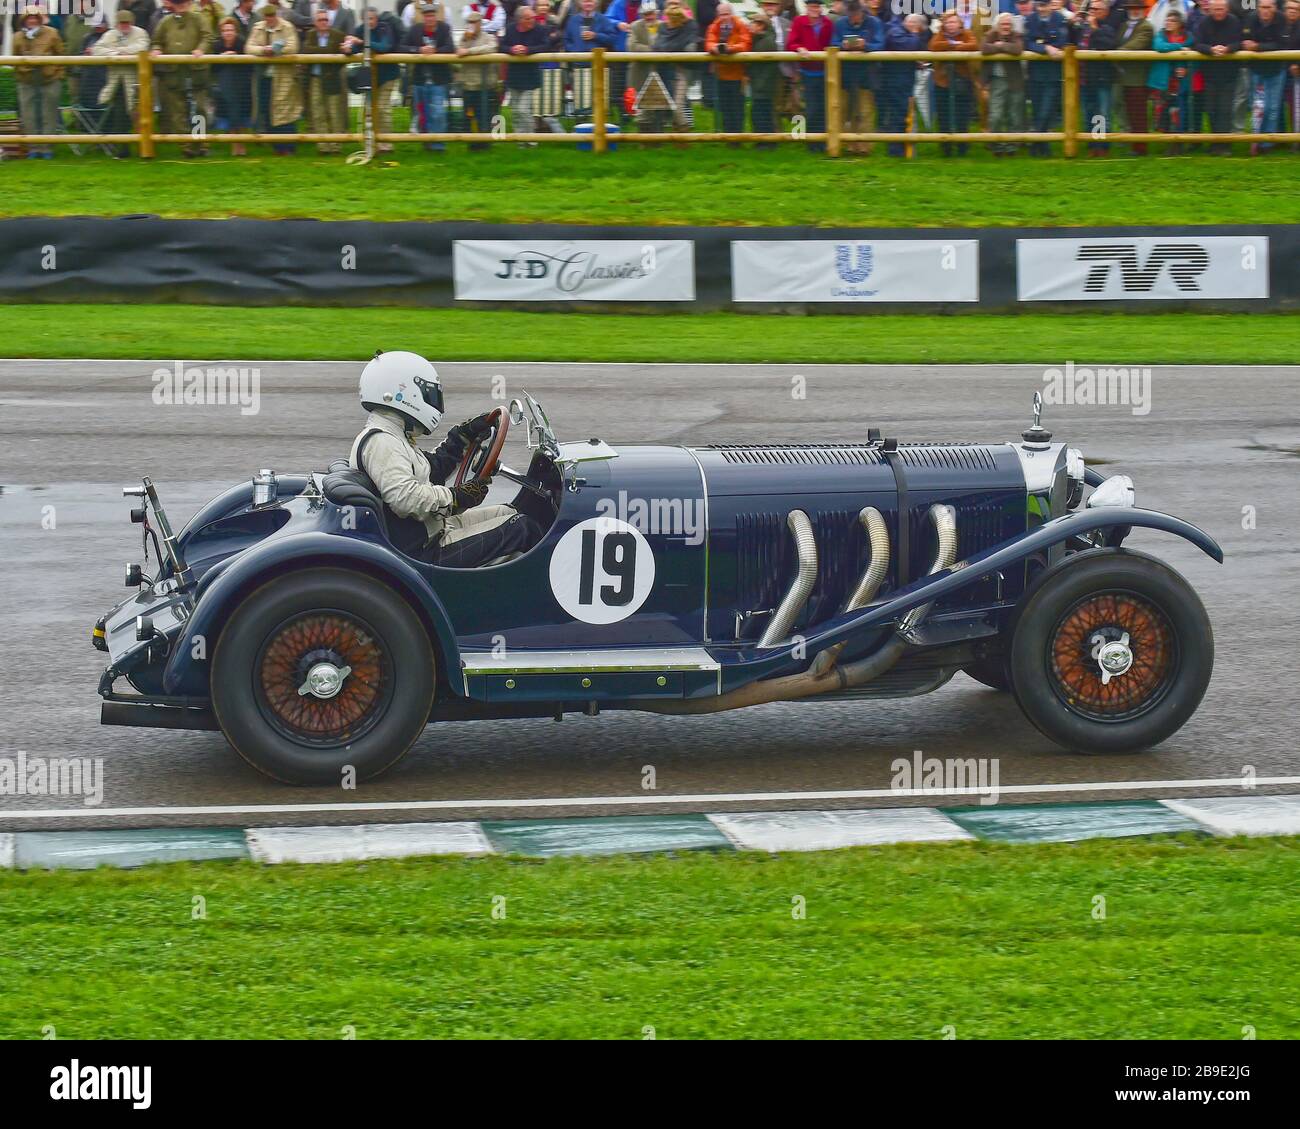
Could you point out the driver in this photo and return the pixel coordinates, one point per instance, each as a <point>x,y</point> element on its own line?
<point>403,396</point>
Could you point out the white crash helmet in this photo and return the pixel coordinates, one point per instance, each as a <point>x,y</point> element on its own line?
<point>406,383</point>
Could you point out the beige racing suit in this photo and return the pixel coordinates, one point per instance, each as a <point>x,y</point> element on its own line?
<point>410,483</point>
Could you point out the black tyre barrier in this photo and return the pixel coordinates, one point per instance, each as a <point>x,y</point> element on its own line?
<point>348,263</point>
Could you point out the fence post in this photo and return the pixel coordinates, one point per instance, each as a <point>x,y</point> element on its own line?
<point>144,104</point>
<point>374,101</point>
<point>1070,102</point>
<point>833,95</point>
<point>599,101</point>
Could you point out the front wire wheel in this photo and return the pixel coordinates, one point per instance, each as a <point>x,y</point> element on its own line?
<point>1112,656</point>
<point>1112,652</point>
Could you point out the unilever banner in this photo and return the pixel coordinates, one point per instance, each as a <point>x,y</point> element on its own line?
<point>593,270</point>
<point>832,270</point>
<point>1136,267</point>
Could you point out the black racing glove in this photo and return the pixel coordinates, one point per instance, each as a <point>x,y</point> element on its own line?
<point>477,428</point>
<point>468,495</point>
<point>444,460</point>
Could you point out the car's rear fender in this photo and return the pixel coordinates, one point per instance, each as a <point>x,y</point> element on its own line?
<point>218,596</point>
<point>229,524</point>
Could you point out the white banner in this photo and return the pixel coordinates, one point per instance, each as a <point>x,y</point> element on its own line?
<point>844,270</point>
<point>1128,267</point>
<point>596,270</point>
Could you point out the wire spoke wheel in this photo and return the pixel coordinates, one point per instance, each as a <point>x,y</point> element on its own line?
<point>323,677</point>
<point>1126,631</point>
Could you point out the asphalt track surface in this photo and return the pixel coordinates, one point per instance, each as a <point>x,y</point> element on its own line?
<point>73,433</point>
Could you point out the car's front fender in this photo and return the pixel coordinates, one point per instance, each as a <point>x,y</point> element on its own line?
<point>783,660</point>
<point>218,596</point>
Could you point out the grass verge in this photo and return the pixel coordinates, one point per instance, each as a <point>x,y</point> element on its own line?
<point>705,184</point>
<point>232,333</point>
<point>1200,937</point>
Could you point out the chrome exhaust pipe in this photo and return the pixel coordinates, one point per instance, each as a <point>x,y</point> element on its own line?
<point>873,522</point>
<point>872,577</point>
<point>806,546</point>
<point>944,519</point>
<point>834,678</point>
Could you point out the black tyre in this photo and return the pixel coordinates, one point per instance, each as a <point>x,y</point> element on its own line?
<point>991,672</point>
<point>321,670</point>
<point>1111,606</point>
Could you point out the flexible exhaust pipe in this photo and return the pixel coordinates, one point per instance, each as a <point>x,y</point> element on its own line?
<point>836,678</point>
<point>944,519</point>
<point>873,522</point>
<point>877,566</point>
<point>806,547</point>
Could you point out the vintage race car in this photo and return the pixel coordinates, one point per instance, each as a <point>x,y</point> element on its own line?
<point>671,579</point>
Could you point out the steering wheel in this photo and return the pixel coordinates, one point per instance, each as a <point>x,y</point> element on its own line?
<point>483,455</point>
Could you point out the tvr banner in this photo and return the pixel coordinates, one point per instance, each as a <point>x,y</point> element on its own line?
<point>836,270</point>
<point>1141,267</point>
<point>595,270</point>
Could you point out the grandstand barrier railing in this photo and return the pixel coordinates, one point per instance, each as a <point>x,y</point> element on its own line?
<point>833,137</point>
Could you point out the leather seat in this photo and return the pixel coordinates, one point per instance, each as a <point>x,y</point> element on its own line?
<point>345,486</point>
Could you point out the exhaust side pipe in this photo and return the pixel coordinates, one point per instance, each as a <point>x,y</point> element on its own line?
<point>877,566</point>
<point>811,681</point>
<point>944,519</point>
<point>945,528</point>
<point>806,546</point>
<point>878,561</point>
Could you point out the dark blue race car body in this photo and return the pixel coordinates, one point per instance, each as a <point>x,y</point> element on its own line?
<point>661,576</point>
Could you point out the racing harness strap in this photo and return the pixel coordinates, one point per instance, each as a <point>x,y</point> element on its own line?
<point>407,534</point>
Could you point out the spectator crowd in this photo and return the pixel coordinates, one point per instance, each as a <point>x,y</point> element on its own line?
<point>1017,91</point>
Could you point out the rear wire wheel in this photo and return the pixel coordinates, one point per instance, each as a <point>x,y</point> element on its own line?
<point>323,671</point>
<point>1112,652</point>
<point>334,648</point>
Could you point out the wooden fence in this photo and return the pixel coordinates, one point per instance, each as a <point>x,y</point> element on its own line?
<point>834,136</point>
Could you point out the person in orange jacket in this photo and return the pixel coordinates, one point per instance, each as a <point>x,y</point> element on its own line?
<point>728,34</point>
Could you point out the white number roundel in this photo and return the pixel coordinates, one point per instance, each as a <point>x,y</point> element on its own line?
<point>602,570</point>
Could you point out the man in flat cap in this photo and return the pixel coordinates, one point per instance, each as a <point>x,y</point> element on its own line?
<point>181,32</point>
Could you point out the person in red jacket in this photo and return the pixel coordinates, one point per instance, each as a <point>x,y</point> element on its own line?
<point>812,32</point>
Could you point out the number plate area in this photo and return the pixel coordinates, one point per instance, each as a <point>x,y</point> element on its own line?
<point>598,675</point>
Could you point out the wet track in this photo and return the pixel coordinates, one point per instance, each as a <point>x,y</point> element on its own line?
<point>73,433</point>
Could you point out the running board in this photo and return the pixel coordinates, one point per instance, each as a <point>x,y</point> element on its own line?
<point>593,675</point>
